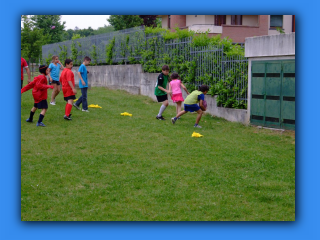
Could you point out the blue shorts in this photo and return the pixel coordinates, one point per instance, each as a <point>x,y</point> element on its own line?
<point>191,108</point>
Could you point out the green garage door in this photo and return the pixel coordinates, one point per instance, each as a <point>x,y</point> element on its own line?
<point>273,94</point>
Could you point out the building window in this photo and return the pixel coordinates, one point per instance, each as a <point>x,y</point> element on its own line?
<point>276,21</point>
<point>219,20</point>
<point>236,19</point>
<point>169,21</point>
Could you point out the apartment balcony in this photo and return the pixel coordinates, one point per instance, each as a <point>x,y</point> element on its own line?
<point>205,27</point>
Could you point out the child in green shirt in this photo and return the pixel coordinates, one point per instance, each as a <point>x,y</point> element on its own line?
<point>161,91</point>
<point>190,104</point>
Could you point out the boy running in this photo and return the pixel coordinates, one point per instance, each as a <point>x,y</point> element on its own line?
<point>39,92</point>
<point>69,92</point>
<point>161,92</point>
<point>190,104</point>
<point>83,85</point>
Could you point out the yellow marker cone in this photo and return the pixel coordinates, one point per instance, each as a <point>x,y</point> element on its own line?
<point>194,134</point>
<point>94,106</point>
<point>126,114</point>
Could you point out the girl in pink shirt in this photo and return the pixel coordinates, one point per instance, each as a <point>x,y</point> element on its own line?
<point>175,86</point>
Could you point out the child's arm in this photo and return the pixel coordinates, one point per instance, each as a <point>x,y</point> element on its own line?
<point>201,105</point>
<point>170,90</point>
<point>83,82</point>
<point>61,66</point>
<point>165,90</point>
<point>72,87</point>
<point>27,87</point>
<point>42,86</point>
<point>50,75</point>
<point>184,88</point>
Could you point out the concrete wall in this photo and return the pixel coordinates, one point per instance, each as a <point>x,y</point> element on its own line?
<point>250,20</point>
<point>132,79</point>
<point>274,45</point>
<point>195,19</point>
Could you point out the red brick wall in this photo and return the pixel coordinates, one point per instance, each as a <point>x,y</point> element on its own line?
<point>177,21</point>
<point>239,33</point>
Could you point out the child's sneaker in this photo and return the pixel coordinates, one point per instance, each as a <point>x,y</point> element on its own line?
<point>67,117</point>
<point>160,118</point>
<point>197,126</point>
<point>85,110</point>
<point>28,120</point>
<point>40,124</point>
<point>53,103</point>
<point>173,120</point>
<point>77,107</point>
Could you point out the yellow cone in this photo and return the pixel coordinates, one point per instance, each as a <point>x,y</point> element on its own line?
<point>126,114</point>
<point>194,134</point>
<point>94,106</point>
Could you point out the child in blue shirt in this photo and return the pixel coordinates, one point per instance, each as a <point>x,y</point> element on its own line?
<point>54,69</point>
<point>83,85</point>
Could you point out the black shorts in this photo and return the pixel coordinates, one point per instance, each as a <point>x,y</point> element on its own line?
<point>41,105</point>
<point>55,82</point>
<point>70,97</point>
<point>162,98</point>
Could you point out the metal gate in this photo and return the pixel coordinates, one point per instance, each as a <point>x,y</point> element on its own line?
<point>273,94</point>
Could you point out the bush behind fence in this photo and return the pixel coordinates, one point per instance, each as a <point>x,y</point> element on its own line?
<point>227,75</point>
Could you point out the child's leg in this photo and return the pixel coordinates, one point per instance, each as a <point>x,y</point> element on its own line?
<point>181,113</point>
<point>178,107</point>
<point>199,116</point>
<point>68,107</point>
<point>57,90</point>
<point>53,95</point>
<point>163,107</point>
<point>32,112</point>
<point>84,98</point>
<point>43,112</point>
<point>79,101</point>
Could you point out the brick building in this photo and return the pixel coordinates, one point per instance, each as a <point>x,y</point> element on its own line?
<point>236,27</point>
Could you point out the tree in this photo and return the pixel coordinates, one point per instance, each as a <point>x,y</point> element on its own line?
<point>149,20</point>
<point>32,39</point>
<point>120,22</point>
<point>51,25</point>
<point>104,29</point>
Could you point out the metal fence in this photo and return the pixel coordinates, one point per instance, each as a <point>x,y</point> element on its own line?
<point>211,63</point>
<point>85,46</point>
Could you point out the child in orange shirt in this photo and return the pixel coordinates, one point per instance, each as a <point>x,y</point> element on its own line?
<point>68,87</point>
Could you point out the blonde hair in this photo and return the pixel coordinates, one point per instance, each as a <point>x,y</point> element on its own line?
<point>54,57</point>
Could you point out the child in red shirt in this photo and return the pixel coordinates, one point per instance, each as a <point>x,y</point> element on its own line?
<point>69,92</point>
<point>39,92</point>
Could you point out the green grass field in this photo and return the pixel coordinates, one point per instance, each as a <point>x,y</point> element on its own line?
<point>106,167</point>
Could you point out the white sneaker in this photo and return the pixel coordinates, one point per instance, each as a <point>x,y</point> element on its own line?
<point>85,110</point>
<point>53,103</point>
<point>77,107</point>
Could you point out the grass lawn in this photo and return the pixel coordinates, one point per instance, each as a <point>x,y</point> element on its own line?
<point>106,167</point>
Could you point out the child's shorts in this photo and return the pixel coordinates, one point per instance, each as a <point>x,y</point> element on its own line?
<point>69,97</point>
<point>177,97</point>
<point>41,105</point>
<point>55,82</point>
<point>191,108</point>
<point>162,98</point>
